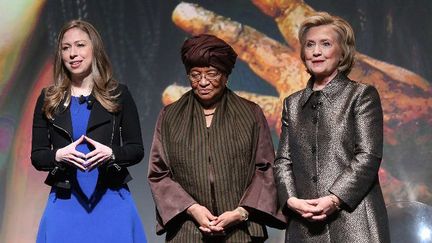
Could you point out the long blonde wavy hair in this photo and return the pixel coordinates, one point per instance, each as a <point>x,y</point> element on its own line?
<point>104,85</point>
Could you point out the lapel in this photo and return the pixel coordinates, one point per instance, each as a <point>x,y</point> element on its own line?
<point>307,92</point>
<point>334,89</point>
<point>331,91</point>
<point>98,116</point>
<point>63,121</point>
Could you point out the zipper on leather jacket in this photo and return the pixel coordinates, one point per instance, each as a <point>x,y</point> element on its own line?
<point>53,172</point>
<point>112,131</point>
<point>64,130</point>
<point>116,166</point>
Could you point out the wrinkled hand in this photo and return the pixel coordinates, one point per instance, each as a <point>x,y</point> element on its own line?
<point>328,207</point>
<point>225,220</point>
<point>70,155</point>
<point>307,208</point>
<point>100,154</point>
<point>202,216</point>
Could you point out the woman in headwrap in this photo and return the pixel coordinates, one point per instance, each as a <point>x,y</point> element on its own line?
<point>210,168</point>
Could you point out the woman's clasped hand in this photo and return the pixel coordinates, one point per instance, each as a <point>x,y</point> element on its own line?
<point>85,162</point>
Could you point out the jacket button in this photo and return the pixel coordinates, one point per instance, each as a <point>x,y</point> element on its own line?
<point>314,179</point>
<point>313,149</point>
<point>314,106</point>
<point>315,120</point>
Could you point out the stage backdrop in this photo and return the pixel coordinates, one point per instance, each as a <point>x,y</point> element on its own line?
<point>143,38</point>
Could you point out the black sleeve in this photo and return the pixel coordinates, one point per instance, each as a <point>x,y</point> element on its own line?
<point>131,151</point>
<point>42,153</point>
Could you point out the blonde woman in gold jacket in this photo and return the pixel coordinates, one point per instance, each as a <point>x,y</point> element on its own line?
<point>327,164</point>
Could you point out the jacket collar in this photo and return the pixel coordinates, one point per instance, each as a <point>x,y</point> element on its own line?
<point>62,119</point>
<point>331,91</point>
<point>98,116</point>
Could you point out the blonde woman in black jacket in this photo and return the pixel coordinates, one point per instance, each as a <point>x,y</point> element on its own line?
<point>85,133</point>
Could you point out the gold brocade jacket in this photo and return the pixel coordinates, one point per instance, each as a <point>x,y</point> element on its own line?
<point>331,142</point>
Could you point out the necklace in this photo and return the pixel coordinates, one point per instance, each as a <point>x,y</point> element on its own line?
<point>81,91</point>
<point>209,114</point>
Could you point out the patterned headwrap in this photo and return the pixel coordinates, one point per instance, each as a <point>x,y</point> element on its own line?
<point>207,50</point>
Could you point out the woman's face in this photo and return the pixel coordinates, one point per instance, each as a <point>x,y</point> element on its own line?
<point>208,84</point>
<point>77,52</point>
<point>322,51</point>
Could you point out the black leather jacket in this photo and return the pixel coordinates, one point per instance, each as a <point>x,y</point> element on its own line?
<point>121,131</point>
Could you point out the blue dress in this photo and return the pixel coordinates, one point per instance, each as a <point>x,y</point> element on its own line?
<point>90,215</point>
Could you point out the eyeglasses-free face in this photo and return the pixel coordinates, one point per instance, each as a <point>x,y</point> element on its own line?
<point>207,83</point>
<point>77,52</point>
<point>322,52</point>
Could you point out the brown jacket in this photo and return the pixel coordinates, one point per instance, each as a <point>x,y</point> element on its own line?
<point>172,199</point>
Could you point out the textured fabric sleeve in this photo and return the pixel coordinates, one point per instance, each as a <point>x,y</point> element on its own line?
<point>283,165</point>
<point>261,195</point>
<point>355,181</point>
<point>42,154</point>
<point>169,197</point>
<point>131,151</point>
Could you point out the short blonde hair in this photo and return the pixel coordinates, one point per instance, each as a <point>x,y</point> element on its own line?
<point>344,32</point>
